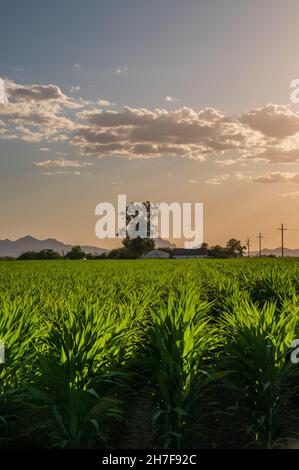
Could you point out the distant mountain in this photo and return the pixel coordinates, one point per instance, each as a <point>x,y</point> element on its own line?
<point>15,248</point>
<point>277,252</point>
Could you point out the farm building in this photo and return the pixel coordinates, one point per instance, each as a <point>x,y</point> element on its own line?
<point>154,254</point>
<point>183,253</point>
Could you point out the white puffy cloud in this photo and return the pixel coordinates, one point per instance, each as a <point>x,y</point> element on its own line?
<point>34,92</point>
<point>170,99</point>
<point>273,121</point>
<point>144,133</point>
<point>44,113</point>
<point>37,113</point>
<point>103,102</point>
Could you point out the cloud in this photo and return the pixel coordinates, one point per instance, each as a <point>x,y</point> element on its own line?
<point>225,162</point>
<point>38,94</point>
<point>218,179</point>
<point>274,121</point>
<point>74,88</point>
<point>103,103</point>
<point>170,99</point>
<point>44,113</point>
<point>35,92</point>
<point>141,132</point>
<point>120,70</point>
<point>293,195</point>
<point>62,163</point>
<point>54,173</point>
<point>243,176</point>
<point>275,155</point>
<point>37,113</point>
<point>278,177</point>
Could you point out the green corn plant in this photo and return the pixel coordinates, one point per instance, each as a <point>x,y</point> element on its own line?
<point>179,339</point>
<point>224,291</point>
<point>80,358</point>
<point>18,329</point>
<point>274,285</point>
<point>259,377</point>
<point>18,320</point>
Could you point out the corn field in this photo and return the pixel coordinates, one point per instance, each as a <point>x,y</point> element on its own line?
<point>149,354</point>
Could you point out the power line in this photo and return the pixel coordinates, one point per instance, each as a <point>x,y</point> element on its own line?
<point>282,229</point>
<point>260,236</point>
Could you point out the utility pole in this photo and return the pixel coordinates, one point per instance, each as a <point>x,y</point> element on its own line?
<point>282,229</point>
<point>260,236</point>
<point>248,247</point>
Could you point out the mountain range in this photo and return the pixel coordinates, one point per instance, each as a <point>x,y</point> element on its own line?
<point>14,248</point>
<point>294,252</point>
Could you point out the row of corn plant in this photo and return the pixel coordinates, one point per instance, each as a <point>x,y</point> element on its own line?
<point>81,356</point>
<point>180,341</point>
<point>258,375</point>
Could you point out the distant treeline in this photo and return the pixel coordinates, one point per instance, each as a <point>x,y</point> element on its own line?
<point>75,253</point>
<point>134,249</point>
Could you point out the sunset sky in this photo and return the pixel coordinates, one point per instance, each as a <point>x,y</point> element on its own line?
<point>161,100</point>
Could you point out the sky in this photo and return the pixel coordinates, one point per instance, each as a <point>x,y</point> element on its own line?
<point>161,100</point>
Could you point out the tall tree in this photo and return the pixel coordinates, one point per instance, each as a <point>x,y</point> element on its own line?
<point>234,248</point>
<point>138,246</point>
